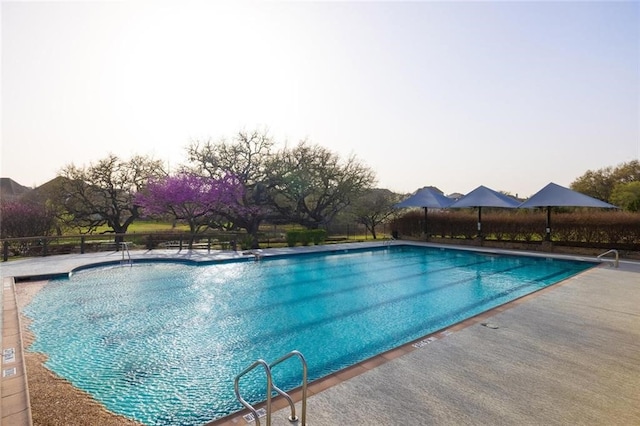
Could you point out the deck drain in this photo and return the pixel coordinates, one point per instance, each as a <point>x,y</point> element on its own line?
<point>489,325</point>
<point>424,342</point>
<point>250,418</point>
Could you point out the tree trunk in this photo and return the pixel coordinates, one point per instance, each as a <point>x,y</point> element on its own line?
<point>252,231</point>
<point>192,233</point>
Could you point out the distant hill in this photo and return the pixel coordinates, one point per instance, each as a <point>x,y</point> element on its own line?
<point>44,191</point>
<point>11,190</point>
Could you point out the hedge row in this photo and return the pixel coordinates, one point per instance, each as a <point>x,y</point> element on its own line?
<point>583,226</point>
<point>305,236</point>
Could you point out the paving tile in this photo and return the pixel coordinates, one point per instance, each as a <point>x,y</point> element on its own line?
<point>373,362</point>
<point>395,353</point>
<point>324,383</point>
<point>12,385</point>
<point>350,372</point>
<point>14,403</point>
<point>23,418</point>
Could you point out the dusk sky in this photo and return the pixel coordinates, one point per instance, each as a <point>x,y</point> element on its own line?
<point>510,95</point>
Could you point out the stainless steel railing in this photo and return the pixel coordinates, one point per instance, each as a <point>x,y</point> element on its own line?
<point>236,386</point>
<point>272,387</point>
<point>303,409</point>
<point>125,248</point>
<point>616,262</point>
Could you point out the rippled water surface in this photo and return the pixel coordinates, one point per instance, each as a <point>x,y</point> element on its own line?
<point>162,342</point>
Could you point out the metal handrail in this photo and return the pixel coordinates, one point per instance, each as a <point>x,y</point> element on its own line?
<point>272,387</point>
<point>125,247</point>
<point>293,417</point>
<point>248,406</point>
<point>616,262</point>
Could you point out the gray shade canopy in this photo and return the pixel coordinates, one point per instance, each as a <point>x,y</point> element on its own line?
<point>427,198</point>
<point>554,195</point>
<point>485,197</point>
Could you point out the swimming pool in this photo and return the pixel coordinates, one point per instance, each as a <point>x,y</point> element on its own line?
<point>162,342</point>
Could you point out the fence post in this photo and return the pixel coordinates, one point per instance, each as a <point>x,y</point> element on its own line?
<point>45,244</point>
<point>82,244</point>
<point>5,251</point>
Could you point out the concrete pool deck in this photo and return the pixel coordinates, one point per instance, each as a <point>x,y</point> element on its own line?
<point>569,354</point>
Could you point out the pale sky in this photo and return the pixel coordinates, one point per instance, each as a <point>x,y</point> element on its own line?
<point>510,95</point>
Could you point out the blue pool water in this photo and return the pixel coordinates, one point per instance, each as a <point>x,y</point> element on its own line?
<point>162,342</point>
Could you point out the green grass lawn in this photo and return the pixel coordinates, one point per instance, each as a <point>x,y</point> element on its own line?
<point>147,227</point>
<point>152,226</point>
<point>142,227</point>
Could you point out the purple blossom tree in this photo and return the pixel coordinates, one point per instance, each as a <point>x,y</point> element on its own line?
<point>193,199</point>
<point>23,219</point>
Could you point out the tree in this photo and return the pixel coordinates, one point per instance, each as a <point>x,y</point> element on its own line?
<point>374,207</point>
<point>103,193</point>
<point>197,200</point>
<point>245,159</point>
<point>600,183</point>
<point>47,195</point>
<point>627,196</point>
<point>309,184</point>
<point>25,219</point>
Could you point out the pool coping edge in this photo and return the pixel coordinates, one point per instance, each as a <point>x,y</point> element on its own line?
<point>15,404</point>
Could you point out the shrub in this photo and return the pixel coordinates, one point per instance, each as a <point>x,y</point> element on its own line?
<point>305,237</point>
<point>292,237</point>
<point>585,226</point>
<point>318,236</point>
<point>246,242</point>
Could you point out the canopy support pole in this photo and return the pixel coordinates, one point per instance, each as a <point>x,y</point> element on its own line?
<point>426,228</point>
<point>547,236</point>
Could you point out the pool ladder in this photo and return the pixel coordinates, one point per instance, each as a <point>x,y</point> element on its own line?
<point>616,262</point>
<point>272,387</point>
<point>125,248</point>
